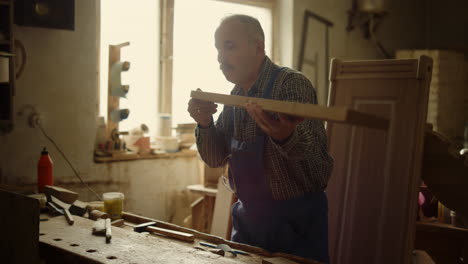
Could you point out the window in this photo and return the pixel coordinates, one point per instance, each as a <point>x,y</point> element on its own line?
<point>138,23</point>
<point>194,57</point>
<point>195,62</point>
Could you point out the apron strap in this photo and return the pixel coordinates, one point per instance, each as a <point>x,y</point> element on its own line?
<point>269,89</point>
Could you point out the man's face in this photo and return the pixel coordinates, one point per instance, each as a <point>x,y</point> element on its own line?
<point>236,54</point>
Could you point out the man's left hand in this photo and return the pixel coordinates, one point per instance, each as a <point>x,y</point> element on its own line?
<point>280,130</point>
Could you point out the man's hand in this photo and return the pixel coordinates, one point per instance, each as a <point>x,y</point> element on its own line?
<point>202,111</point>
<point>280,130</point>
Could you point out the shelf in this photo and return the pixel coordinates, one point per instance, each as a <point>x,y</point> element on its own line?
<point>133,156</point>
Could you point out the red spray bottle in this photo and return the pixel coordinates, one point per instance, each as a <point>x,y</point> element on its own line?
<point>45,167</point>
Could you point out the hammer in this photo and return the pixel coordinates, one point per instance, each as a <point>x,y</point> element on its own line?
<point>151,227</point>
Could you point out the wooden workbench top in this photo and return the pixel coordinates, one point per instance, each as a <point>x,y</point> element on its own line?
<point>76,244</point>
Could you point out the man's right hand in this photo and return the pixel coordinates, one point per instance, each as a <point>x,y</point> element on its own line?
<point>202,111</point>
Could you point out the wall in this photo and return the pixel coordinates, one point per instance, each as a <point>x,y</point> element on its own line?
<point>60,81</point>
<point>400,28</point>
<point>285,26</point>
<point>446,25</point>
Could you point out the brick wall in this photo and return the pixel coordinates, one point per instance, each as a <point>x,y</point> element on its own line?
<point>448,98</point>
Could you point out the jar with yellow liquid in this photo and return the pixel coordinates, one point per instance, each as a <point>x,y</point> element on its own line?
<point>113,204</point>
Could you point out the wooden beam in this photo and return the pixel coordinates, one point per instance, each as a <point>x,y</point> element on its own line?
<point>172,234</point>
<point>310,111</point>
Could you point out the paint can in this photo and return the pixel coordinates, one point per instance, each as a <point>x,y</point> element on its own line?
<point>113,204</point>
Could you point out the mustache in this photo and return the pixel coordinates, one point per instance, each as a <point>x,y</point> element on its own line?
<point>225,66</point>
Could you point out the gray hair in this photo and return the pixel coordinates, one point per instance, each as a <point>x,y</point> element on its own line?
<point>254,29</point>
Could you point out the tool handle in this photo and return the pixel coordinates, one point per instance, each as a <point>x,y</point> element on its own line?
<point>68,216</point>
<point>208,245</point>
<point>108,230</point>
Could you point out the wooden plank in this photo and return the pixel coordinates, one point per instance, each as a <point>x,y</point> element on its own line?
<point>338,114</point>
<point>211,176</point>
<point>202,213</point>
<point>208,208</point>
<point>172,234</point>
<point>60,193</point>
<point>222,225</point>
<point>373,188</point>
<point>197,214</point>
<point>20,222</point>
<point>201,189</point>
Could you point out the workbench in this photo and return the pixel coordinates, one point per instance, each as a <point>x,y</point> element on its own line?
<point>443,242</point>
<point>60,242</point>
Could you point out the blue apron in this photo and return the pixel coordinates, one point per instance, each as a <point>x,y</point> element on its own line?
<point>296,226</point>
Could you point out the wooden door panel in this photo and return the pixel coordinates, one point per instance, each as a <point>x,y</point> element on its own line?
<point>375,177</point>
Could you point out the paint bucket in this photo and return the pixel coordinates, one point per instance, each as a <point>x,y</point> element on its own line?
<point>113,204</point>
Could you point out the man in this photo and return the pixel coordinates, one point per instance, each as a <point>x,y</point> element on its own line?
<point>278,165</point>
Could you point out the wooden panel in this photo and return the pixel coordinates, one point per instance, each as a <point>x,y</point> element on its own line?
<point>20,222</point>
<point>336,114</point>
<point>172,234</point>
<point>199,188</point>
<point>373,188</point>
<point>112,101</point>
<point>222,221</point>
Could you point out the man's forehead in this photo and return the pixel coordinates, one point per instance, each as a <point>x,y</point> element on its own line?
<point>231,29</point>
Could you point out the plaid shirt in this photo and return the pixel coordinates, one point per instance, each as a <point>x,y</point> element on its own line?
<point>298,166</point>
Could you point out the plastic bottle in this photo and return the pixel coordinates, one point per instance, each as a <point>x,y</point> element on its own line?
<point>101,134</point>
<point>45,168</point>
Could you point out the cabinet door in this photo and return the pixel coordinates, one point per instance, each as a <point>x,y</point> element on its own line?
<point>373,189</point>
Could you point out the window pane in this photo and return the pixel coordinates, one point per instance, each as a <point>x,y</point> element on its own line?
<point>137,23</point>
<point>195,56</point>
